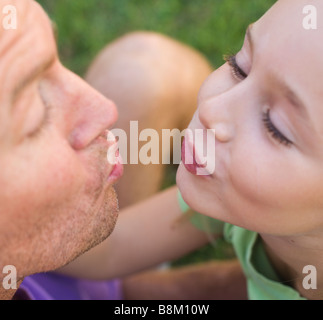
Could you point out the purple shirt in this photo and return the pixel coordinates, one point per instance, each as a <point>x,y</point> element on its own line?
<point>53,286</point>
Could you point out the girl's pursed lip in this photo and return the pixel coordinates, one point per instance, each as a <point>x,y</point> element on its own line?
<point>193,166</point>
<point>189,140</point>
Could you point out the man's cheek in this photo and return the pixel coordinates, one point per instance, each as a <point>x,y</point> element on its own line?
<point>43,180</point>
<point>96,169</point>
<point>69,177</point>
<point>62,177</point>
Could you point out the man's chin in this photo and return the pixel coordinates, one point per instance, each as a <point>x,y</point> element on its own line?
<point>103,217</point>
<point>102,224</point>
<point>107,215</point>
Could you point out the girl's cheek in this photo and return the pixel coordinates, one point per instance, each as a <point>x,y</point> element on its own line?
<point>249,174</point>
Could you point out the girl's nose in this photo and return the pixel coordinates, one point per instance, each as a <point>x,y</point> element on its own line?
<point>224,132</point>
<point>215,115</point>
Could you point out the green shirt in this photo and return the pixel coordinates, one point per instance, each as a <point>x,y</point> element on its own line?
<point>262,280</point>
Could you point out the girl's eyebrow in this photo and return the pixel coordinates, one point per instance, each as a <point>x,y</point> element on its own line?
<point>288,92</point>
<point>293,98</point>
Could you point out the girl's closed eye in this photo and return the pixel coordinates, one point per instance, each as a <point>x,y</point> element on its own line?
<point>240,75</point>
<point>237,72</point>
<point>276,134</point>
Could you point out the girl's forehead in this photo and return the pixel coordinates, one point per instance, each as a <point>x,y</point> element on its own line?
<point>295,18</point>
<point>285,42</point>
<point>288,49</point>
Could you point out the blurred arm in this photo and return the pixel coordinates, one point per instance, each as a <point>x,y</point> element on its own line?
<point>145,235</point>
<point>213,280</point>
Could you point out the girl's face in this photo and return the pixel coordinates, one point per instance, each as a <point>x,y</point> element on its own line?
<point>265,106</point>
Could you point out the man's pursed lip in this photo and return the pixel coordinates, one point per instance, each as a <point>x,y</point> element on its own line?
<point>114,163</point>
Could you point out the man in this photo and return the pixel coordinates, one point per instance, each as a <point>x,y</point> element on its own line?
<point>57,198</point>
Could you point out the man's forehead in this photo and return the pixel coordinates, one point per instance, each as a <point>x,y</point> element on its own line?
<point>27,14</point>
<point>26,49</point>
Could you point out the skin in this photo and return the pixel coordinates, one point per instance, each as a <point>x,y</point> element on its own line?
<point>260,183</point>
<point>57,201</point>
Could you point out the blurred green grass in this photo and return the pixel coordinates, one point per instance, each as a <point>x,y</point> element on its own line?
<point>214,27</point>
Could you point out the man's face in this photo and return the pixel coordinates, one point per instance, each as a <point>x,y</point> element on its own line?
<point>56,198</point>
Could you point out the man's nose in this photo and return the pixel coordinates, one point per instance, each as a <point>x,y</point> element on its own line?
<point>93,115</point>
<point>216,113</point>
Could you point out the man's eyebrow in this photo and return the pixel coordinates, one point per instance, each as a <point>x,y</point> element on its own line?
<point>38,70</point>
<point>32,76</point>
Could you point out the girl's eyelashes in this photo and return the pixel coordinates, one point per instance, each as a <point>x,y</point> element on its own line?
<point>240,75</point>
<point>276,134</point>
<point>237,72</point>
